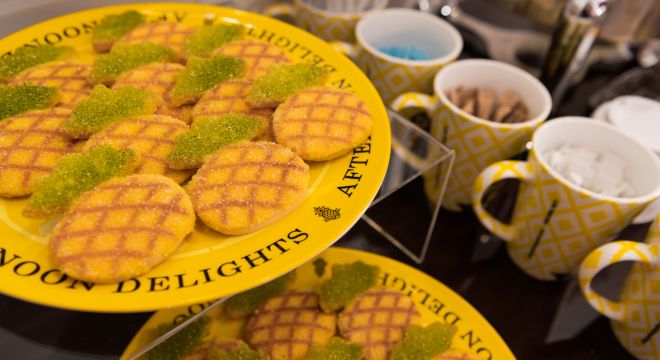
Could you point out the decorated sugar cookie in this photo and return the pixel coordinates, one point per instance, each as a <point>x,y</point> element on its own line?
<point>287,325</point>
<point>69,77</point>
<point>378,320</point>
<point>246,186</point>
<point>322,123</point>
<point>30,145</point>
<point>152,139</point>
<point>122,228</point>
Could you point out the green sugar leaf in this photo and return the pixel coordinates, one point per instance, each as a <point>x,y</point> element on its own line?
<point>181,343</point>
<point>73,175</point>
<point>337,349</point>
<point>124,57</point>
<point>18,99</point>
<point>202,74</point>
<point>113,27</point>
<point>246,303</point>
<point>29,56</point>
<point>209,134</point>
<point>209,38</point>
<point>242,353</point>
<point>347,282</point>
<point>106,106</point>
<point>424,343</point>
<point>283,81</point>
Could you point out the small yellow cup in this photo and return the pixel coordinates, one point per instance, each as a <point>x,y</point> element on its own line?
<point>391,75</point>
<point>556,223</point>
<point>635,317</point>
<point>477,142</point>
<point>329,22</point>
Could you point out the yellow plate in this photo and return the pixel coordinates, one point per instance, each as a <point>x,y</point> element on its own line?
<point>208,265</point>
<point>435,302</point>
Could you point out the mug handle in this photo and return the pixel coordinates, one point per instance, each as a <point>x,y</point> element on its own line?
<point>413,100</point>
<point>605,256</point>
<point>509,169</point>
<point>350,50</point>
<point>279,10</point>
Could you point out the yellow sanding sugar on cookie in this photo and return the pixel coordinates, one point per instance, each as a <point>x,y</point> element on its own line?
<point>152,139</point>
<point>69,77</point>
<point>322,123</point>
<point>247,186</point>
<point>392,313</point>
<point>170,34</point>
<point>30,145</point>
<point>159,79</point>
<point>247,302</point>
<point>122,228</point>
<point>287,325</point>
<point>259,56</point>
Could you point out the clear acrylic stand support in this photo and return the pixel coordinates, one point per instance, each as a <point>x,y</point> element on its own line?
<point>416,157</point>
<point>401,205</point>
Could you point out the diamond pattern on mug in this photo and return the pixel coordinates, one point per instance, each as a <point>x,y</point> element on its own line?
<point>476,146</point>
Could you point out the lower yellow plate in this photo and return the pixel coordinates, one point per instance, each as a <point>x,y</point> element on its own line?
<point>208,265</point>
<point>435,302</point>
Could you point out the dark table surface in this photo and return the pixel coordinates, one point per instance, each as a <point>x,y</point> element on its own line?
<point>522,309</point>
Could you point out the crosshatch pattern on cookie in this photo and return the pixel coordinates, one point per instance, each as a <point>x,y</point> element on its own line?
<point>378,320</point>
<point>319,119</point>
<point>259,56</point>
<point>68,77</point>
<point>170,34</point>
<point>287,325</point>
<point>229,97</point>
<point>159,79</point>
<point>152,139</point>
<point>122,228</point>
<point>247,185</point>
<point>30,145</point>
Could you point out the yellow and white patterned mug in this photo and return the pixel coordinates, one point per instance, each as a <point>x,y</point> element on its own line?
<point>333,21</point>
<point>477,142</point>
<point>555,223</point>
<point>391,75</point>
<point>635,317</point>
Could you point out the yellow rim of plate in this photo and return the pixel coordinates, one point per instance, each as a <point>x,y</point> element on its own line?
<point>474,333</point>
<point>203,268</point>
